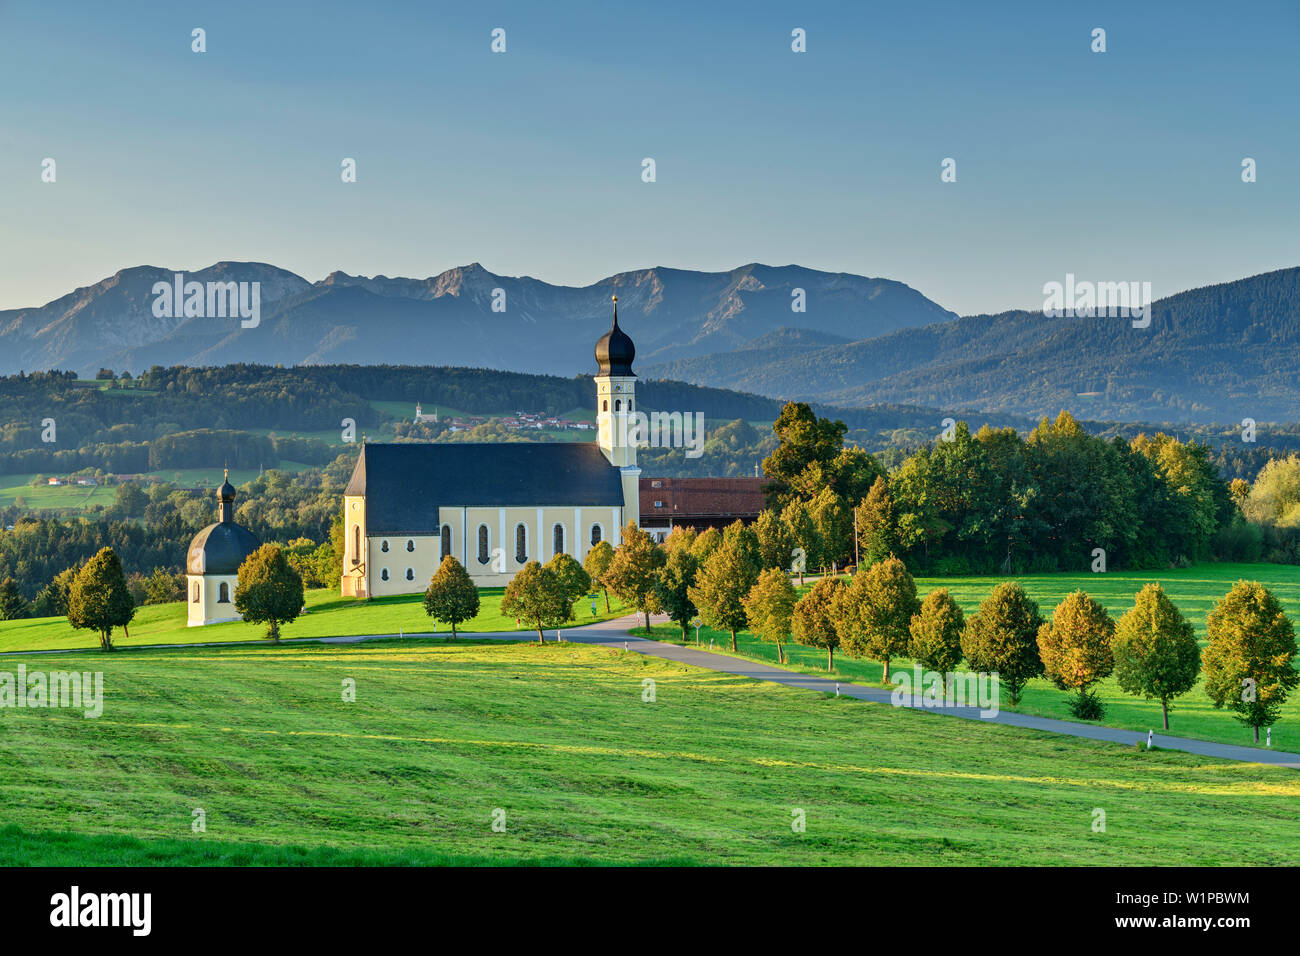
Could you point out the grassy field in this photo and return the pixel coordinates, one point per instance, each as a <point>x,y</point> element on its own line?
<point>328,615</point>
<point>76,497</point>
<point>1194,590</point>
<point>558,737</point>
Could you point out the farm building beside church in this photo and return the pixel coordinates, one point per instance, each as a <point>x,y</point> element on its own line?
<point>698,503</point>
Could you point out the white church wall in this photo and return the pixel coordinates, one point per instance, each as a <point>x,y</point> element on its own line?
<point>502,557</point>
<point>210,609</point>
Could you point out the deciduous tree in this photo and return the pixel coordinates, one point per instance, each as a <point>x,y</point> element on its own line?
<point>672,589</point>
<point>1250,658</point>
<point>1075,648</point>
<point>98,598</point>
<point>706,542</point>
<point>575,580</point>
<point>1156,654</point>
<point>877,525</point>
<point>775,544</point>
<point>720,588</point>
<point>935,632</point>
<point>803,536</point>
<point>813,623</point>
<point>769,607</point>
<point>538,596</point>
<point>1002,636</point>
<point>596,563</point>
<point>451,597</point>
<point>269,590</point>
<point>874,613</point>
<point>635,569</point>
<point>834,523</point>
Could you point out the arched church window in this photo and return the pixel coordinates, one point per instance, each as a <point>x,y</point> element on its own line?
<point>383,546</point>
<point>356,544</point>
<point>595,535</point>
<point>410,544</point>
<point>410,574</point>
<point>604,406</point>
<point>194,592</point>
<point>383,575</point>
<point>223,593</point>
<point>618,404</point>
<point>557,539</point>
<point>521,543</point>
<point>446,541</point>
<point>483,556</point>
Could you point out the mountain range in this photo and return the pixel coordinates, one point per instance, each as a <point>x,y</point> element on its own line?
<point>1215,354</point>
<point>466,317</point>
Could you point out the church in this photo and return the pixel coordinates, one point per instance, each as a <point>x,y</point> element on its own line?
<point>494,506</point>
<point>212,563</point>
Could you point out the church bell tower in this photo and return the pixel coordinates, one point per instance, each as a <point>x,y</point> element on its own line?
<point>616,395</point>
<point>616,415</point>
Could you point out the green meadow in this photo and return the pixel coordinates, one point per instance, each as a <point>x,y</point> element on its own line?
<point>328,615</point>
<point>559,742</point>
<point>1194,590</point>
<point>77,497</point>
<point>37,497</point>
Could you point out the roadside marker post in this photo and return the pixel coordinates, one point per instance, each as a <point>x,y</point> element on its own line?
<point>1151,735</point>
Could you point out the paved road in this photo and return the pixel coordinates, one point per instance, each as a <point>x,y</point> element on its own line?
<point>614,634</point>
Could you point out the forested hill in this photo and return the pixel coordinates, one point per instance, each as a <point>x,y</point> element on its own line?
<point>315,398</point>
<point>1214,354</point>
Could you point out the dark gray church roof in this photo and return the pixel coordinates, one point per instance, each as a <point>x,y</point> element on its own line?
<point>222,547</point>
<point>406,483</point>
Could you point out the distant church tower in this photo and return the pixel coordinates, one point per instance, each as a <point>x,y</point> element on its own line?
<point>615,405</point>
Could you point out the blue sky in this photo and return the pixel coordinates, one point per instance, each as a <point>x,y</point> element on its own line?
<point>1117,166</point>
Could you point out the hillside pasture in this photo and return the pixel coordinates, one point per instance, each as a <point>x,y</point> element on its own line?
<point>328,615</point>
<point>1195,591</point>
<point>558,738</point>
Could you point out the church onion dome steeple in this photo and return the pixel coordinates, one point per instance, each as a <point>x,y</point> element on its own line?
<point>222,547</point>
<point>226,494</point>
<point>615,351</point>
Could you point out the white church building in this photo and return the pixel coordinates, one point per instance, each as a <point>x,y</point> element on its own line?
<point>494,506</point>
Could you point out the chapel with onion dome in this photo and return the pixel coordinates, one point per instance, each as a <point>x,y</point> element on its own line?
<point>212,563</point>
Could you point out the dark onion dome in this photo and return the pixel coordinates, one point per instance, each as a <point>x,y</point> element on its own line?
<point>222,547</point>
<point>614,350</point>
